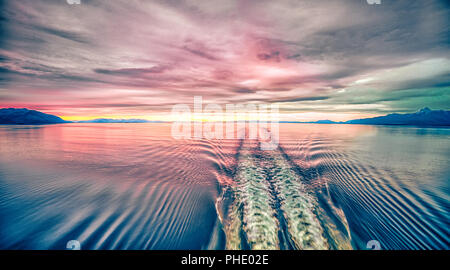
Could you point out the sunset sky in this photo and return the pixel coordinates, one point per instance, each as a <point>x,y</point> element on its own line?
<point>334,60</point>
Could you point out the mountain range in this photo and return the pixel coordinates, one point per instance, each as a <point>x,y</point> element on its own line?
<point>107,120</point>
<point>27,117</point>
<point>423,117</point>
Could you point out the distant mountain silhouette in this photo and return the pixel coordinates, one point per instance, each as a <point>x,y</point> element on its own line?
<point>325,122</point>
<point>27,117</point>
<point>106,120</point>
<point>423,117</point>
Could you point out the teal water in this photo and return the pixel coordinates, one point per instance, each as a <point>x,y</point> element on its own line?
<point>132,186</point>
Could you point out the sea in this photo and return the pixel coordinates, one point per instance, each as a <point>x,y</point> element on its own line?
<point>135,186</point>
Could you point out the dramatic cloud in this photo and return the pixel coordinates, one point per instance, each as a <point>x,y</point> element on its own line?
<point>137,58</point>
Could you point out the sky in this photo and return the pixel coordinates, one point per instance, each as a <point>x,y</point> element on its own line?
<point>336,60</point>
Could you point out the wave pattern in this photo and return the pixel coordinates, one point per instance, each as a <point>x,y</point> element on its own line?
<point>271,208</point>
<point>381,196</point>
<point>131,186</point>
<point>109,191</point>
<point>252,215</point>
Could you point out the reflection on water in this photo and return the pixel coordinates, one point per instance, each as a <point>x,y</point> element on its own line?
<point>131,186</point>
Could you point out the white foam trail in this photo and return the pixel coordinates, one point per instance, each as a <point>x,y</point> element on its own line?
<point>266,184</point>
<point>252,209</point>
<point>297,205</point>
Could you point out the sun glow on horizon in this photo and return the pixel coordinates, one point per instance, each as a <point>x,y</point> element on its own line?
<point>213,117</point>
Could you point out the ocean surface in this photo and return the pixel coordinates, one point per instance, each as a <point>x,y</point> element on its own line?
<point>132,186</point>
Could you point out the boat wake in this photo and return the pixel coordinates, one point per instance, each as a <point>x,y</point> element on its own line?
<point>269,206</point>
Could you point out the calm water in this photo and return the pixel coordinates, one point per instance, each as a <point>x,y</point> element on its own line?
<point>131,186</point>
